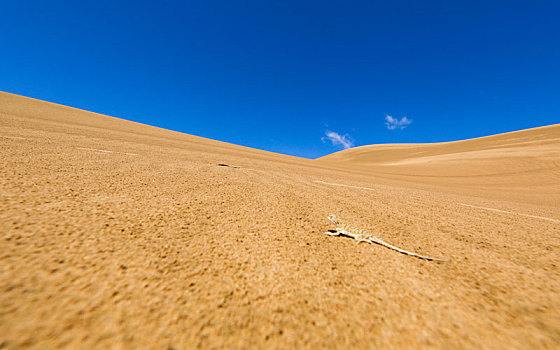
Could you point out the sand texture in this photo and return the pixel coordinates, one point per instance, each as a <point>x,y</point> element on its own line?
<point>117,235</point>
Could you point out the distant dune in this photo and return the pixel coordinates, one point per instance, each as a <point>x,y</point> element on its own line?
<point>525,162</point>
<point>115,234</point>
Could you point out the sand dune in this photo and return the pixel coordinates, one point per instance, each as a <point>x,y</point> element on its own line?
<point>520,166</point>
<point>115,234</point>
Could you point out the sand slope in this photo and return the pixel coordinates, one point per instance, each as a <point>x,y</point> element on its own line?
<point>115,234</point>
<point>522,165</point>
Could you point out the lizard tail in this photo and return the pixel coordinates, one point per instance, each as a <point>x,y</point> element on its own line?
<point>407,252</point>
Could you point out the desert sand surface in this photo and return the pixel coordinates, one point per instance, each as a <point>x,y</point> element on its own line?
<point>115,234</point>
<point>522,166</point>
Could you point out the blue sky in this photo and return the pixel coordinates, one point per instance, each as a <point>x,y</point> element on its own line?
<point>304,78</point>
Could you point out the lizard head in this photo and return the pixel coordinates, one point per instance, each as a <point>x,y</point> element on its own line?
<point>332,218</point>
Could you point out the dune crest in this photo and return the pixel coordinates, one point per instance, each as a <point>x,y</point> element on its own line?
<point>522,163</point>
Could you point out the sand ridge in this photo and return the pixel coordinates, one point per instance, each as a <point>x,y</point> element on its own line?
<point>168,249</point>
<point>521,166</point>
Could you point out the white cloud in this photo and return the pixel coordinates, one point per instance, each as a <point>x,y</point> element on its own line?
<point>338,140</point>
<point>395,123</point>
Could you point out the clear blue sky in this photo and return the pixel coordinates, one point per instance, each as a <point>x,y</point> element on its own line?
<point>281,75</point>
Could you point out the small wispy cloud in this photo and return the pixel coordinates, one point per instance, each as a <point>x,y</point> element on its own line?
<point>338,140</point>
<point>396,123</point>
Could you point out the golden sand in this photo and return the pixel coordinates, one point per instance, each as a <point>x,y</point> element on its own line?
<point>115,234</point>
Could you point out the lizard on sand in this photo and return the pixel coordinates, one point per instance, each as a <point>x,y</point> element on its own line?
<point>363,236</point>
